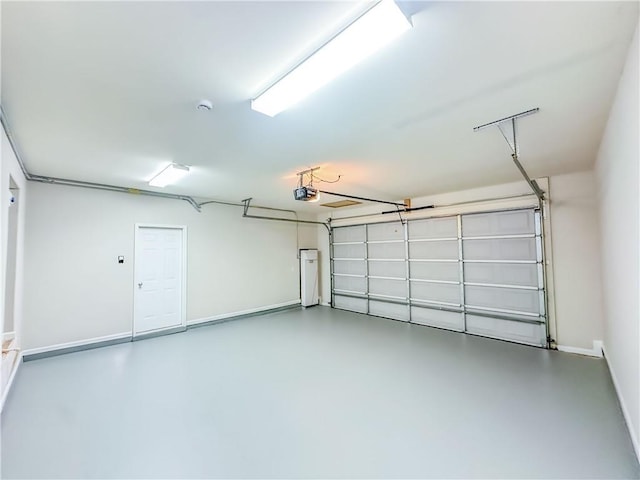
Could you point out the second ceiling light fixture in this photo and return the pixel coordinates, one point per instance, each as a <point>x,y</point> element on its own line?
<point>368,33</point>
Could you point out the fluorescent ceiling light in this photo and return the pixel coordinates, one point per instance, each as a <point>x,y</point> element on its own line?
<point>171,174</point>
<point>370,32</point>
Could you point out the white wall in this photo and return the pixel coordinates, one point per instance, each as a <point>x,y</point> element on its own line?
<point>618,184</point>
<point>576,255</point>
<point>77,290</point>
<point>11,169</point>
<point>571,246</point>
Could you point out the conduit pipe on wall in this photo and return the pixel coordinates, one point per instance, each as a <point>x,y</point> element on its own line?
<point>116,188</point>
<point>81,183</point>
<point>111,188</point>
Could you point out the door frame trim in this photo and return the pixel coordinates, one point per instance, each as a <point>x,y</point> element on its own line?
<point>183,283</point>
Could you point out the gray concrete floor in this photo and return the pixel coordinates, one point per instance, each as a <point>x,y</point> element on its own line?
<point>315,393</point>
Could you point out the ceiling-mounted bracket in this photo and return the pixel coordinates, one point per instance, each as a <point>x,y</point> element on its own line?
<point>513,144</point>
<point>308,172</point>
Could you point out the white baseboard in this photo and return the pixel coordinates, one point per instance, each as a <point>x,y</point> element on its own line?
<point>250,311</point>
<point>7,387</point>
<point>124,335</point>
<point>325,304</point>
<point>79,343</point>
<point>596,351</point>
<point>625,411</point>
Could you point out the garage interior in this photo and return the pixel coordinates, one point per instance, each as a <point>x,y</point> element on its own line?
<point>236,246</point>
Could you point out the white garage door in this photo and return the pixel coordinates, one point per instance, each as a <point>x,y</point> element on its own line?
<point>476,273</point>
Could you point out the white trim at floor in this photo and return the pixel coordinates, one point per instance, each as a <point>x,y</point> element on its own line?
<point>225,316</point>
<point>77,344</point>
<point>596,351</point>
<point>625,412</point>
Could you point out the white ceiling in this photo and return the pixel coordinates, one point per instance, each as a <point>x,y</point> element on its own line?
<point>106,92</point>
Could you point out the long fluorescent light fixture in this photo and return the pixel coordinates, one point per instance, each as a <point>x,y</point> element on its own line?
<point>171,174</point>
<point>377,27</point>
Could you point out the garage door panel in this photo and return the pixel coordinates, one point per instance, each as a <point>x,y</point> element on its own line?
<point>436,250</point>
<point>503,298</point>
<point>501,269</point>
<point>521,274</point>
<point>387,269</point>
<point>437,318</point>
<point>500,249</point>
<point>348,303</point>
<point>434,228</point>
<point>389,310</point>
<point>394,288</point>
<point>435,292</point>
<point>448,271</point>
<point>531,334</point>
<point>349,251</point>
<point>352,267</point>
<point>387,250</point>
<point>385,231</point>
<point>350,284</point>
<point>349,234</point>
<point>517,222</point>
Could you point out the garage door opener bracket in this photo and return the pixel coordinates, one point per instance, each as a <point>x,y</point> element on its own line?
<point>513,144</point>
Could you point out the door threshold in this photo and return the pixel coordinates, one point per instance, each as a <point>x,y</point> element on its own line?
<point>159,333</point>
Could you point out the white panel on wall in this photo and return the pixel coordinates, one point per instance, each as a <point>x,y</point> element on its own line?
<point>447,271</point>
<point>349,251</point>
<point>446,227</point>
<point>522,274</point>
<point>394,288</point>
<point>515,222</point>
<point>352,304</point>
<point>500,249</point>
<point>436,292</point>
<point>532,334</point>
<point>436,250</point>
<point>385,231</point>
<point>387,269</point>
<point>352,267</point>
<point>349,234</point>
<point>387,250</point>
<point>389,310</point>
<point>503,298</point>
<point>437,318</point>
<point>350,284</point>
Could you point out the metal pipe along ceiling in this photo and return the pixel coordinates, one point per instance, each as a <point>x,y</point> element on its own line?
<point>81,183</point>
<point>116,188</point>
<point>246,203</point>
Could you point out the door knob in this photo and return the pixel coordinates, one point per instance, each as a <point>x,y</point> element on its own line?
<point>140,285</point>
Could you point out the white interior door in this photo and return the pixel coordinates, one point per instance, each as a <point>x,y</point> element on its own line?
<point>159,279</point>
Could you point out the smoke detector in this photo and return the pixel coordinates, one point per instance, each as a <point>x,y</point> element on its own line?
<point>204,105</point>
